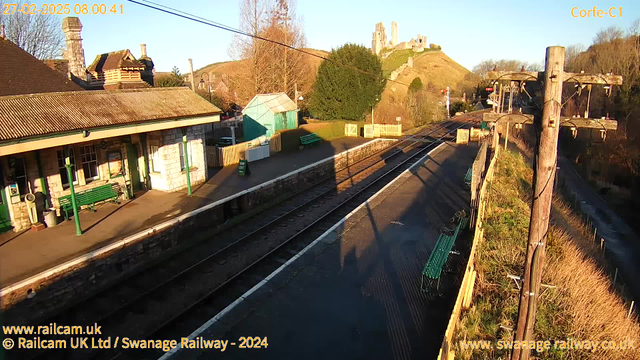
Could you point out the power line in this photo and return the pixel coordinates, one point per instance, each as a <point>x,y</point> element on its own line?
<point>188,16</point>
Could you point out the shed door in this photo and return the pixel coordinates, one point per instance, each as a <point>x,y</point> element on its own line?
<point>5,219</point>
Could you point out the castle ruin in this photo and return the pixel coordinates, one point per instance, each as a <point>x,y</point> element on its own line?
<point>379,40</point>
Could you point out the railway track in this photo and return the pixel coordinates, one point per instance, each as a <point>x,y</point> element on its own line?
<point>171,297</point>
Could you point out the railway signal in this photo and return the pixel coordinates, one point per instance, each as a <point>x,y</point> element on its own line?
<point>547,127</point>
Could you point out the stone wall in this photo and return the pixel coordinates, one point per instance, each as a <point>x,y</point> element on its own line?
<point>397,72</point>
<point>171,177</point>
<point>81,276</point>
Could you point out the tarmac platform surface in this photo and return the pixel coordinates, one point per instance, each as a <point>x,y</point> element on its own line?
<point>356,295</point>
<point>28,253</point>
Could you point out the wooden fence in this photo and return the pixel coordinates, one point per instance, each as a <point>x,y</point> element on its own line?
<point>230,155</point>
<point>351,130</point>
<point>465,294</point>
<point>377,130</point>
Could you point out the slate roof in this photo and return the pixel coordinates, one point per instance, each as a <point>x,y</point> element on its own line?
<point>25,116</point>
<point>21,73</point>
<point>115,60</point>
<point>277,103</point>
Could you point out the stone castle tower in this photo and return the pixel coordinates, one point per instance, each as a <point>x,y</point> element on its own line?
<point>394,33</point>
<point>379,39</point>
<point>74,53</point>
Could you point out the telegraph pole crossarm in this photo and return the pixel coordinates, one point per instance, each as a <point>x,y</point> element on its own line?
<point>547,127</point>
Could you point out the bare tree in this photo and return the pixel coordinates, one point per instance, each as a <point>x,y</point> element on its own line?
<point>571,53</point>
<point>252,21</point>
<point>634,29</point>
<point>608,35</point>
<point>271,67</point>
<point>287,66</point>
<point>38,34</point>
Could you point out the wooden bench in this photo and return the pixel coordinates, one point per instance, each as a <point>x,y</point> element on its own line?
<point>89,198</point>
<point>309,139</point>
<point>432,270</point>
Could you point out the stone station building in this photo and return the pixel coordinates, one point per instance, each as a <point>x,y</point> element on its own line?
<point>130,139</point>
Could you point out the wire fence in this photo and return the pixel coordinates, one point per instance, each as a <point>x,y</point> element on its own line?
<point>580,207</point>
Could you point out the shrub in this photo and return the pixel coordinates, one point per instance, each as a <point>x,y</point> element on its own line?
<point>415,85</point>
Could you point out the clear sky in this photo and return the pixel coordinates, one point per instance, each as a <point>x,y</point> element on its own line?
<point>468,31</point>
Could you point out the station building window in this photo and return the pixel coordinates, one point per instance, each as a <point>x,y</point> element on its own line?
<point>63,170</point>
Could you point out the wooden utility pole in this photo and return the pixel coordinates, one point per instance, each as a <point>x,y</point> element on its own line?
<point>547,128</point>
<point>544,176</point>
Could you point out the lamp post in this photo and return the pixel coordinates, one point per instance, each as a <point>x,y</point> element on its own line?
<point>372,109</point>
<point>202,82</point>
<point>74,205</point>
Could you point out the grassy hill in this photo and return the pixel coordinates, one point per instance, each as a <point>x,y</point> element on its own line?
<point>432,66</point>
<point>238,70</point>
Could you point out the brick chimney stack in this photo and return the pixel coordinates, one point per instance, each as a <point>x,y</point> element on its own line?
<point>147,73</point>
<point>74,53</point>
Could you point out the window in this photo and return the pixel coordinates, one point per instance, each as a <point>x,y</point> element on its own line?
<point>63,170</point>
<point>89,159</point>
<point>19,174</point>
<point>154,154</point>
<point>189,150</point>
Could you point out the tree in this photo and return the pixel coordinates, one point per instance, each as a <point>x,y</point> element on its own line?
<point>424,107</point>
<point>272,67</point>
<point>608,35</point>
<point>40,35</point>
<point>416,84</point>
<point>170,80</point>
<point>252,21</point>
<point>348,84</point>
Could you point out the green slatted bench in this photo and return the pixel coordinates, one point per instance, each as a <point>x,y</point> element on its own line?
<point>309,139</point>
<point>467,177</point>
<point>433,268</point>
<point>89,197</point>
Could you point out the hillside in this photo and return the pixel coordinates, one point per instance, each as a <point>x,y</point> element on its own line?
<point>433,67</point>
<point>238,72</point>
<point>239,67</point>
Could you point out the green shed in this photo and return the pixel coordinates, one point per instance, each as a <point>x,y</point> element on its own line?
<point>267,113</point>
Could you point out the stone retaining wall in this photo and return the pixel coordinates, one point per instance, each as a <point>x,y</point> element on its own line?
<point>90,272</point>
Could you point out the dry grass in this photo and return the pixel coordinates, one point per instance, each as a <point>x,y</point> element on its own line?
<point>582,306</point>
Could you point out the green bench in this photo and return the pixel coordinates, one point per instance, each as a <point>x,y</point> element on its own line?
<point>309,139</point>
<point>89,198</point>
<point>433,268</point>
<point>468,176</point>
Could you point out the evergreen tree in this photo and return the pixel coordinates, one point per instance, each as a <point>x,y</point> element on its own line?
<point>348,84</point>
<point>170,80</point>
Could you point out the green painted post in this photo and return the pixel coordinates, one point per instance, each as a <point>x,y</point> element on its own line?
<point>74,205</point>
<point>43,184</point>
<point>186,159</point>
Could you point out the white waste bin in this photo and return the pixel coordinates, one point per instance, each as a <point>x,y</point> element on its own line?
<point>31,207</point>
<point>50,217</point>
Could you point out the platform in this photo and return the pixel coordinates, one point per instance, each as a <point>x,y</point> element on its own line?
<point>356,295</point>
<point>28,253</point>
